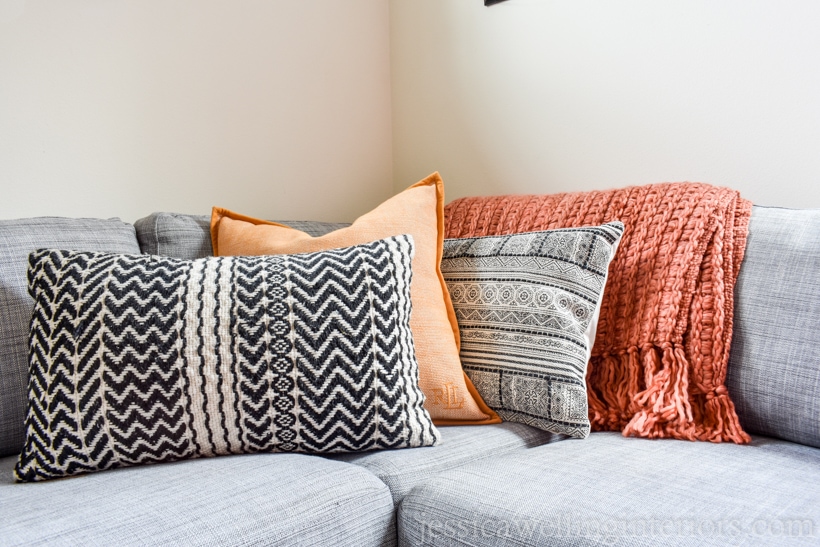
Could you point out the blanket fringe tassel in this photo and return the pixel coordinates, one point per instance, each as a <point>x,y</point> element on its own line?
<point>618,400</point>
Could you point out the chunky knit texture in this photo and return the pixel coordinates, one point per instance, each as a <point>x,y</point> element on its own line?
<point>659,361</point>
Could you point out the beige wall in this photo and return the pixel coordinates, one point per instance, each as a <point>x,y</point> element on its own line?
<point>282,108</point>
<point>533,96</point>
<point>277,108</point>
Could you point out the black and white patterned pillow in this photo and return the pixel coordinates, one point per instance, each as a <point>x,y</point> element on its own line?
<point>140,359</point>
<point>527,307</point>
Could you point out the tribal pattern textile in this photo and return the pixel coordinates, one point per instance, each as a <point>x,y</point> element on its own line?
<point>527,307</point>
<point>658,367</point>
<point>142,359</point>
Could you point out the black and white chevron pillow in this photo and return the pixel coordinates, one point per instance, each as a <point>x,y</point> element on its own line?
<point>142,359</point>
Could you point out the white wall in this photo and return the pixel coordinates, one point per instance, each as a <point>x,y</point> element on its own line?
<point>282,108</point>
<point>535,96</point>
<point>275,108</point>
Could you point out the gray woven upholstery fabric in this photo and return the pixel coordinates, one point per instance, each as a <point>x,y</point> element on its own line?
<point>17,239</point>
<point>401,470</point>
<point>189,236</point>
<point>611,490</point>
<point>261,499</point>
<point>774,369</point>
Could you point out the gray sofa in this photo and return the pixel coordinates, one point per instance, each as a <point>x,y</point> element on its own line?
<point>506,484</point>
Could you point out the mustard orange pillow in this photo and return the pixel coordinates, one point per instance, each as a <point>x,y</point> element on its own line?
<point>418,211</point>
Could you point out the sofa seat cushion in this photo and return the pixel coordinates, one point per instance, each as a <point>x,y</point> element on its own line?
<point>260,499</point>
<point>612,490</point>
<point>401,470</point>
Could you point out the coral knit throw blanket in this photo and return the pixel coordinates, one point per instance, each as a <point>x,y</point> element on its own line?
<point>659,361</point>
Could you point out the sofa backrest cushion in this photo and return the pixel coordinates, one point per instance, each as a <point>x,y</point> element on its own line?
<point>189,236</point>
<point>18,238</point>
<point>774,369</point>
